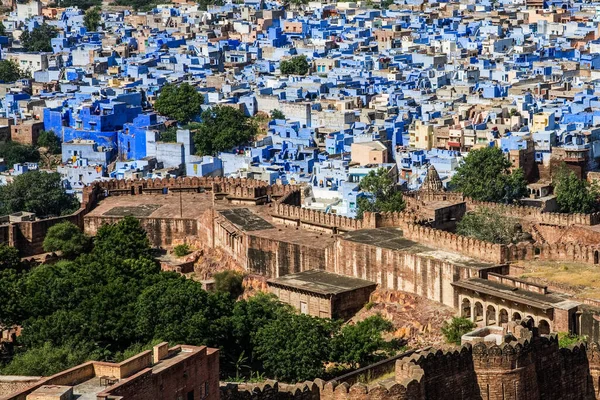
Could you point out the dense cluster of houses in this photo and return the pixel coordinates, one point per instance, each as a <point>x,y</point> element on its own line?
<point>401,86</point>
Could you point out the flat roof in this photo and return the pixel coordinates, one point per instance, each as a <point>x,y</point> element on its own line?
<point>321,282</point>
<point>393,239</point>
<point>245,220</point>
<point>537,300</point>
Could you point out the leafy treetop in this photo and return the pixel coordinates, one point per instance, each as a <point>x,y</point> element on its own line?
<point>485,176</point>
<point>10,71</point>
<point>179,102</point>
<point>295,66</point>
<point>223,128</point>
<point>38,39</point>
<point>277,114</point>
<point>384,197</point>
<point>16,153</point>
<point>37,192</point>
<point>230,282</point>
<point>92,19</point>
<point>574,195</point>
<point>50,141</point>
<point>67,238</point>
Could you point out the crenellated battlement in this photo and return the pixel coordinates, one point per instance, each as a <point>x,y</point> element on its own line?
<point>479,249</point>
<point>530,368</point>
<point>509,210</point>
<point>234,187</point>
<point>537,214</point>
<point>409,388</point>
<point>309,390</point>
<point>313,218</point>
<point>570,251</point>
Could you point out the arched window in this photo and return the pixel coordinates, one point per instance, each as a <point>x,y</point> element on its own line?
<point>465,311</point>
<point>516,317</point>
<point>478,312</point>
<point>490,315</point>
<point>544,327</point>
<point>503,316</point>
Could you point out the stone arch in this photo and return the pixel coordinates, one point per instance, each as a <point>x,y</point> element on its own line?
<point>529,321</point>
<point>478,312</point>
<point>490,315</point>
<point>544,327</point>
<point>516,316</point>
<point>465,310</point>
<point>502,316</point>
<point>596,256</point>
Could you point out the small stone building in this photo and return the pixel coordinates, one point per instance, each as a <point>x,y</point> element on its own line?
<point>322,294</point>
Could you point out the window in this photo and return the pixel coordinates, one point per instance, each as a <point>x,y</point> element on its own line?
<point>303,307</point>
<point>190,395</point>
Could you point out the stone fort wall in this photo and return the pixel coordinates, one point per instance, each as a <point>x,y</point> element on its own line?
<point>515,211</point>
<point>531,369</point>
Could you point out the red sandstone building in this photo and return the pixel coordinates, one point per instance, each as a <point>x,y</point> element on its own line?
<point>177,373</point>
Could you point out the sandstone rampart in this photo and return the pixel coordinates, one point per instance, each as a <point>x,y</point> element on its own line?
<point>478,249</point>
<point>301,215</point>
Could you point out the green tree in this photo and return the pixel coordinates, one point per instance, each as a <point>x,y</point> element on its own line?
<point>16,153</point>
<point>247,318</point>
<point>485,176</point>
<point>37,192</point>
<point>9,257</point>
<point>11,268</point>
<point>179,102</point>
<point>230,282</point>
<point>10,71</point>
<point>38,39</point>
<point>2,29</point>
<point>360,344</point>
<point>46,360</point>
<point>223,128</point>
<point>277,114</point>
<point>11,307</point>
<point>488,225</point>
<point>294,347</point>
<point>169,135</point>
<point>50,141</point>
<point>179,310</point>
<point>125,239</point>
<point>383,195</point>
<point>574,195</point>
<point>92,19</point>
<point>457,327</point>
<point>67,238</point>
<point>295,66</point>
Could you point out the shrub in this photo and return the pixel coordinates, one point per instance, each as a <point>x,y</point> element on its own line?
<point>566,339</point>
<point>454,329</point>
<point>181,250</point>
